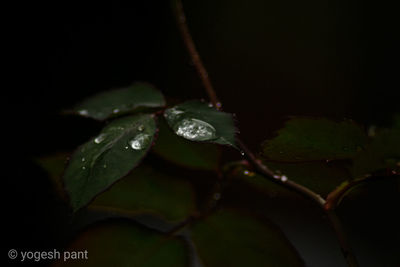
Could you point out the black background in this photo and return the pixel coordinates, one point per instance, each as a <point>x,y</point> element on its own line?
<point>268,60</point>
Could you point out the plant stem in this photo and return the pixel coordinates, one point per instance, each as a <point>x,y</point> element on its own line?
<point>194,55</point>
<point>257,164</point>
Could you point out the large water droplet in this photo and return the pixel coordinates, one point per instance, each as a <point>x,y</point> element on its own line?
<point>100,138</point>
<point>140,141</point>
<point>83,159</point>
<point>115,111</point>
<point>83,112</point>
<point>140,127</point>
<point>194,129</point>
<point>284,178</point>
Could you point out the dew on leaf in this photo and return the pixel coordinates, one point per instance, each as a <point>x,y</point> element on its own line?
<point>83,112</point>
<point>194,129</point>
<point>173,113</point>
<point>284,178</point>
<point>115,111</point>
<point>100,138</point>
<point>140,128</point>
<point>83,159</point>
<point>140,141</point>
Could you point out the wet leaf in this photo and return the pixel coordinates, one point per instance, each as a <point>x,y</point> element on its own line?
<point>99,163</point>
<point>381,154</point>
<point>148,190</point>
<point>185,153</point>
<point>230,238</point>
<point>197,121</point>
<point>120,101</point>
<point>308,139</point>
<point>125,243</point>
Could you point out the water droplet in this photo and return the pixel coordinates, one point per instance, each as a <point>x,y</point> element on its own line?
<point>100,138</point>
<point>104,166</point>
<point>277,176</point>
<point>140,128</point>
<point>140,141</point>
<point>194,129</point>
<point>173,113</point>
<point>115,110</point>
<point>83,159</point>
<point>83,168</point>
<point>126,147</point>
<point>83,112</point>
<point>242,153</point>
<point>284,178</point>
<point>217,196</point>
<point>210,105</point>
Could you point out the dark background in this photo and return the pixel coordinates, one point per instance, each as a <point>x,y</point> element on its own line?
<point>267,59</point>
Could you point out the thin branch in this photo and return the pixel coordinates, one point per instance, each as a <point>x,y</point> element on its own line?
<point>282,180</point>
<point>257,164</point>
<point>195,57</point>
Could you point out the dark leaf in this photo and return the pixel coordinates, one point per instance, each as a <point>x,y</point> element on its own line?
<point>381,154</point>
<point>149,191</point>
<point>108,157</point>
<point>185,153</point>
<point>230,238</point>
<point>120,101</point>
<point>307,139</point>
<point>197,121</point>
<point>126,244</point>
<point>320,177</point>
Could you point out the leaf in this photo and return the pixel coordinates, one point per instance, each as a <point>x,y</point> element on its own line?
<point>196,121</point>
<point>230,238</point>
<point>185,153</point>
<point>150,191</point>
<point>320,177</point>
<point>108,157</point>
<point>126,244</point>
<point>308,139</point>
<point>382,153</point>
<point>120,101</point>
<point>239,172</point>
<point>54,166</point>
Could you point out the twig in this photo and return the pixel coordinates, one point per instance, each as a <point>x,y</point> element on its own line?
<point>257,164</point>
<point>195,57</point>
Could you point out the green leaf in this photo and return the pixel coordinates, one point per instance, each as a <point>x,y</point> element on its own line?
<point>185,153</point>
<point>126,244</point>
<point>197,121</point>
<point>381,154</point>
<point>308,139</point>
<point>239,172</point>
<point>54,165</point>
<point>229,238</point>
<point>320,177</point>
<point>148,190</point>
<point>108,157</point>
<point>120,101</point>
